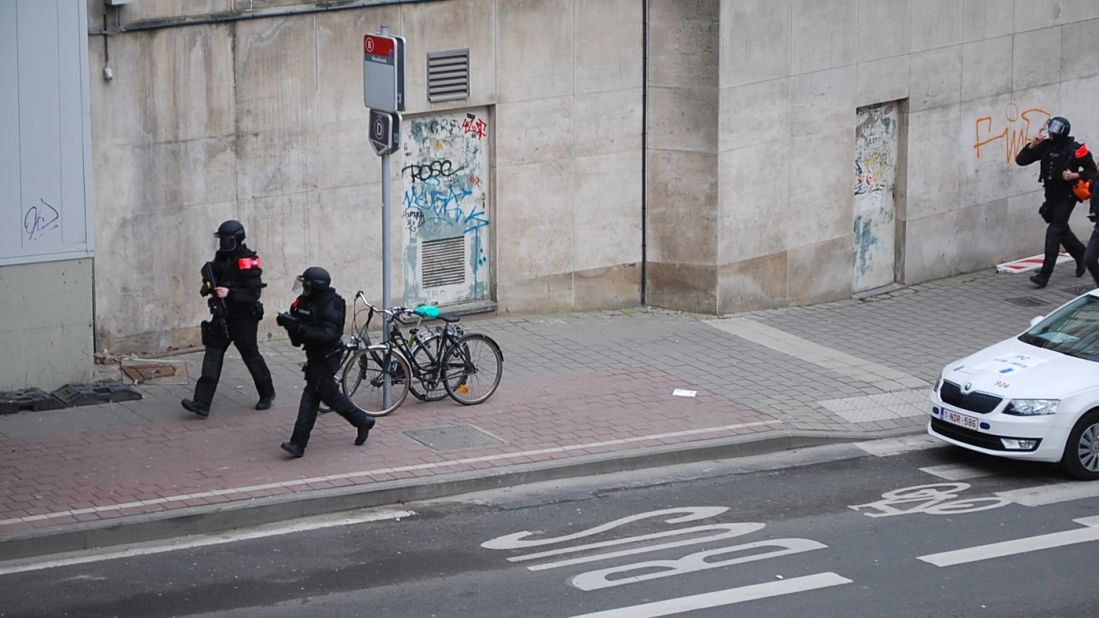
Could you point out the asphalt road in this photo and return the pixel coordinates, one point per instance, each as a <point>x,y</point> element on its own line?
<point>842,530</point>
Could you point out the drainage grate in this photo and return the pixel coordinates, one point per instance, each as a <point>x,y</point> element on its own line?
<point>1027,301</point>
<point>448,75</point>
<point>453,438</point>
<point>1077,290</point>
<point>443,262</point>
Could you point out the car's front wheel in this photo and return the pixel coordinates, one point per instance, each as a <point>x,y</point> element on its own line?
<point>1081,458</point>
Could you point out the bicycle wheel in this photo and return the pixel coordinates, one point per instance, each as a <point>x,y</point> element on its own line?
<point>426,357</point>
<point>473,367</point>
<point>363,380</point>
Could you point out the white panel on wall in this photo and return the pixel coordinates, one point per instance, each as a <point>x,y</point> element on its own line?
<point>42,67</point>
<point>445,207</point>
<point>9,129</point>
<point>875,182</point>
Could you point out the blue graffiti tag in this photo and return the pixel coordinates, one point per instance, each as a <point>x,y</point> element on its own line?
<point>435,202</point>
<point>38,220</point>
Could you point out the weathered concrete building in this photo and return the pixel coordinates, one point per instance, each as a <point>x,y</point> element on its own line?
<point>706,155</point>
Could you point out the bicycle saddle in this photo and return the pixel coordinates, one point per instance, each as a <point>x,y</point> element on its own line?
<point>432,312</point>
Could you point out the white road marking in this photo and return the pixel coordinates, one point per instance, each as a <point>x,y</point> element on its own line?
<point>957,472</point>
<point>897,446</point>
<point>721,598</point>
<point>1018,546</point>
<point>378,471</point>
<point>887,378</point>
<point>1052,494</point>
<point>204,540</point>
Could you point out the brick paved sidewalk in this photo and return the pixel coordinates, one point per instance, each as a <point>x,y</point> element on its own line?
<point>575,386</point>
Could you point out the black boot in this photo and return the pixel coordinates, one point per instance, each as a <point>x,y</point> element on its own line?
<point>1081,268</point>
<point>262,377</point>
<point>294,450</point>
<point>199,408</point>
<point>364,431</point>
<point>1039,281</point>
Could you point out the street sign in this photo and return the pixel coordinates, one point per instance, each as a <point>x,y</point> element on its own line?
<point>385,131</point>
<point>383,72</point>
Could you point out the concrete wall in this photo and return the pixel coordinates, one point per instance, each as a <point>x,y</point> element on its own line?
<point>46,333</point>
<point>790,75</point>
<point>261,119</point>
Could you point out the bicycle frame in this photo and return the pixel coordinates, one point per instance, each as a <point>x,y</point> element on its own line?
<point>429,375</point>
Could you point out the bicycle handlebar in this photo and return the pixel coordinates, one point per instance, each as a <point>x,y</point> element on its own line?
<point>397,313</point>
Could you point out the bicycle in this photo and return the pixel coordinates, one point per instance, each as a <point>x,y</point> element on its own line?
<point>431,363</point>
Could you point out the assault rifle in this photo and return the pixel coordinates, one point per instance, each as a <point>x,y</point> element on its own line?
<point>218,309</point>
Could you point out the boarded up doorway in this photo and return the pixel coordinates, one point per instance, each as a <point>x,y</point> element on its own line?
<point>876,139</point>
<point>445,208</point>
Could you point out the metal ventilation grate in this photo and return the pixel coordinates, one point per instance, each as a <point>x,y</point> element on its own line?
<point>448,75</point>
<point>1027,301</point>
<point>443,262</point>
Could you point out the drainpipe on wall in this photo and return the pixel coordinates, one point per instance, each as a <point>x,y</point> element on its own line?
<point>644,148</point>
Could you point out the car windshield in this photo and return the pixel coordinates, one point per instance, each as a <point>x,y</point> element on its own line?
<point>1072,330</point>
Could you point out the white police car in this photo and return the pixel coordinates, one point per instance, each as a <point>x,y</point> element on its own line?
<point>1033,397</point>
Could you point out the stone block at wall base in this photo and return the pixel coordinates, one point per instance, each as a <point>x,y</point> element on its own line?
<point>684,287</point>
<point>820,273</point>
<point>546,294</point>
<point>613,287</point>
<point>758,283</point>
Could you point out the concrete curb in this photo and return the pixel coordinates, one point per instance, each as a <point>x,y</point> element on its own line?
<point>220,518</point>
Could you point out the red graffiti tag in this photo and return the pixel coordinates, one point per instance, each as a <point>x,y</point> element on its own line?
<point>474,126</point>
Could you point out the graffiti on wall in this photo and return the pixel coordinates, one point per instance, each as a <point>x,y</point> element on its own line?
<point>40,218</point>
<point>875,179</point>
<point>1017,129</point>
<point>445,204</point>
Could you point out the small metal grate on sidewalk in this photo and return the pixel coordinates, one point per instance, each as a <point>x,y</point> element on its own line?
<point>1077,290</point>
<point>453,438</point>
<point>1027,301</point>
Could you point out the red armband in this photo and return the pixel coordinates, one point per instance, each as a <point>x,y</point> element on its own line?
<point>1082,151</point>
<point>248,263</point>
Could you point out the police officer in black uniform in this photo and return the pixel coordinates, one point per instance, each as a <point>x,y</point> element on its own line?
<point>315,321</point>
<point>1063,162</point>
<point>232,282</point>
<point>1091,255</point>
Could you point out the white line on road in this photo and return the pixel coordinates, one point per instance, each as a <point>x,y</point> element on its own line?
<point>721,598</point>
<point>957,472</point>
<point>1051,494</point>
<point>1018,546</point>
<point>160,547</point>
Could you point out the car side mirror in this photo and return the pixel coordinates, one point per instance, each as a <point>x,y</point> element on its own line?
<point>1034,321</point>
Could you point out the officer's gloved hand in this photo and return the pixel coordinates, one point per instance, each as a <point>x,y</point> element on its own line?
<point>286,320</point>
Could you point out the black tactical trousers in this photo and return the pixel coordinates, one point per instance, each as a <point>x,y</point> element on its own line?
<point>242,334</point>
<point>1091,255</point>
<point>1059,234</point>
<point>321,386</point>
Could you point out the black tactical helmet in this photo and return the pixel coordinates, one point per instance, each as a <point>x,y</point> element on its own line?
<point>230,234</point>
<point>314,280</point>
<point>1058,128</point>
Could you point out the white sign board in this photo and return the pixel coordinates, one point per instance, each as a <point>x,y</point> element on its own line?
<point>383,72</point>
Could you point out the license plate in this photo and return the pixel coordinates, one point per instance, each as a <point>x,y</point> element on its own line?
<point>955,418</point>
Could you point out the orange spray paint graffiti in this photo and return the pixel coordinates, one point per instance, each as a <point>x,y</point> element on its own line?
<point>1020,127</point>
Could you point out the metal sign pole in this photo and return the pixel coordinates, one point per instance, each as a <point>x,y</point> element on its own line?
<point>383,93</point>
<point>387,386</point>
